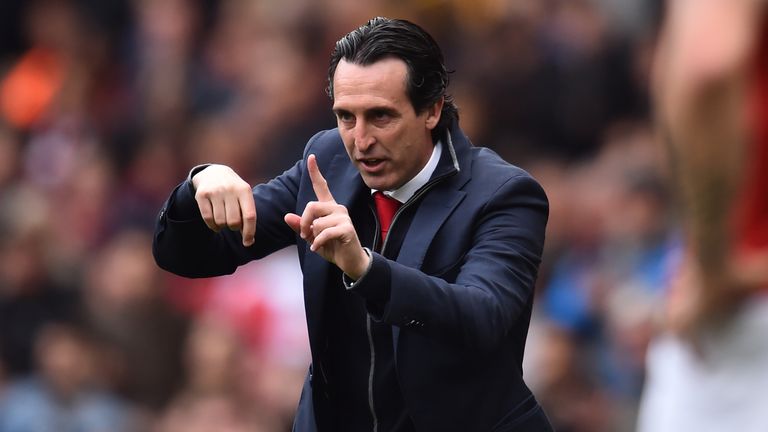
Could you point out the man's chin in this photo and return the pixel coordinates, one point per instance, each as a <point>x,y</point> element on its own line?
<point>377,183</point>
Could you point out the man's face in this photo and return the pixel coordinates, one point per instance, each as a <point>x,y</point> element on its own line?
<point>385,138</point>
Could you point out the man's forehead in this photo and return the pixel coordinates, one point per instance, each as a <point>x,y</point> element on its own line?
<point>384,63</point>
<point>385,78</point>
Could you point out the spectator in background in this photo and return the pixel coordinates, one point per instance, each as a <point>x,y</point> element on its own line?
<point>597,304</point>
<point>64,396</point>
<point>141,336</point>
<point>29,296</point>
<point>2,378</point>
<point>707,372</point>
<point>215,396</point>
<point>10,151</point>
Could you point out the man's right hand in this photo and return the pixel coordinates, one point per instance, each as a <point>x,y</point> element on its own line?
<point>226,200</point>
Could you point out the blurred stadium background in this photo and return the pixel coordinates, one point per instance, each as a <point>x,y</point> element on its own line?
<point>106,104</point>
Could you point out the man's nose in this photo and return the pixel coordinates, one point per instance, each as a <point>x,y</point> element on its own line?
<point>363,138</point>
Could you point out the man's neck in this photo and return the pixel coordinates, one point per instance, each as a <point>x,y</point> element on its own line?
<point>406,191</point>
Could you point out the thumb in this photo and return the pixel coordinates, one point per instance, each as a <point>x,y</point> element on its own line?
<point>293,221</point>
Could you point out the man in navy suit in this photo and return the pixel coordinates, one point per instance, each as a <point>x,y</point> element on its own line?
<point>419,251</point>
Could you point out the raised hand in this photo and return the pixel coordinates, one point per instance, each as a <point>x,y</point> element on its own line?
<point>226,200</point>
<point>327,227</point>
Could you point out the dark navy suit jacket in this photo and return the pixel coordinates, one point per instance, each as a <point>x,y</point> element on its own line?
<point>460,290</point>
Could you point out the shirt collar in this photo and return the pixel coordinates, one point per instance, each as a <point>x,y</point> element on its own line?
<point>406,191</point>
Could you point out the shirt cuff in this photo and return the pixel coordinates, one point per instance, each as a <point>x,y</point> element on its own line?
<point>182,205</point>
<point>196,169</point>
<point>349,283</point>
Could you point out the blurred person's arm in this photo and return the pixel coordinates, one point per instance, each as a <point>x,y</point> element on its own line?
<point>701,76</point>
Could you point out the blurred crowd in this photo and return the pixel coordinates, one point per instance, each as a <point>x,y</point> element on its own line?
<point>106,104</point>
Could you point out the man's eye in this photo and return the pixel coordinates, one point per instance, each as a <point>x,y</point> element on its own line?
<point>380,116</point>
<point>345,117</point>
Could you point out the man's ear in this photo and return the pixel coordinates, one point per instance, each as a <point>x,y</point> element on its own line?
<point>433,114</point>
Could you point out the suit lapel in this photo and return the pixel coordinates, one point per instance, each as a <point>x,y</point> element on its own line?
<point>439,202</point>
<point>344,180</point>
<point>430,216</point>
<point>345,183</point>
<point>436,206</point>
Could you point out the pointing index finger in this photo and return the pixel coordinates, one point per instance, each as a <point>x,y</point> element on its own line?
<point>318,181</point>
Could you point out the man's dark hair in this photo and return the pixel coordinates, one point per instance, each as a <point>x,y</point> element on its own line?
<point>427,76</point>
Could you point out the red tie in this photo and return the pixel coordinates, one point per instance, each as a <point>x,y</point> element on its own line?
<point>385,208</point>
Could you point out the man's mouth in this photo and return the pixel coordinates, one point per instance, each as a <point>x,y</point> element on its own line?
<point>372,166</point>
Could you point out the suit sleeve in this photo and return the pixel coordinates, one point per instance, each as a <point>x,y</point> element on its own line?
<point>494,286</point>
<point>184,245</point>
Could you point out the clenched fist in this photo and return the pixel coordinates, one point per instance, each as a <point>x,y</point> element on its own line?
<point>226,200</point>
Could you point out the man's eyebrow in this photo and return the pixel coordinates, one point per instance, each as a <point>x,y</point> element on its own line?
<point>381,110</point>
<point>338,111</point>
